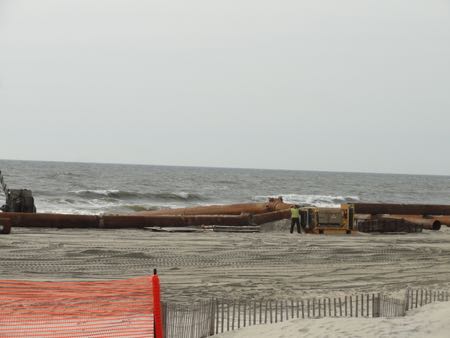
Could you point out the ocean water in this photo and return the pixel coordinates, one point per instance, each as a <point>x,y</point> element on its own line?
<point>90,188</point>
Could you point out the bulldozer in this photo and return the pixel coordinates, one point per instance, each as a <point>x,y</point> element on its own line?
<point>328,220</point>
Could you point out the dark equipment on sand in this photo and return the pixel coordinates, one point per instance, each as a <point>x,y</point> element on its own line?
<point>17,200</point>
<point>388,224</point>
<point>5,225</point>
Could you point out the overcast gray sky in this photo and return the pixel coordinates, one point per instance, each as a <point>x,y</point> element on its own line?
<point>347,85</point>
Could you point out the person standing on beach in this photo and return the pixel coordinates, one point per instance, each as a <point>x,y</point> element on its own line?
<point>295,218</point>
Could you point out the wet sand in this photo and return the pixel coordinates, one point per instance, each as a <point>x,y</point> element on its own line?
<point>201,265</point>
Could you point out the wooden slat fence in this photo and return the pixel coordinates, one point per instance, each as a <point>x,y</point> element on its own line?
<point>415,298</point>
<point>392,307</point>
<point>188,321</point>
<point>215,316</point>
<point>234,314</point>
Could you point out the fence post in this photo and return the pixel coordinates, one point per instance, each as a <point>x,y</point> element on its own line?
<point>232,318</point>
<point>373,304</point>
<point>245,313</point>
<point>222,314</point>
<point>362,305</point>
<point>367,304</point>
<point>407,299</point>
<point>260,311</point>
<point>276,311</point>
<point>228,316</point>
<point>270,311</point>
<point>157,304</point>
<point>378,306</point>
<point>265,313</point>
<point>351,307</point>
<point>212,317</point>
<point>345,308</point>
<point>239,314</point>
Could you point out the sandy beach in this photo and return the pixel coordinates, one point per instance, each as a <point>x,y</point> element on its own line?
<point>195,266</point>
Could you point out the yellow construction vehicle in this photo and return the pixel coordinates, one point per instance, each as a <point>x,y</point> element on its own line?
<point>328,220</point>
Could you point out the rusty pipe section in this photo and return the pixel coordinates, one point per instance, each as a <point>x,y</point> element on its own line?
<point>401,209</point>
<point>445,220</point>
<point>271,217</point>
<point>117,222</point>
<point>274,204</point>
<point>426,223</point>
<point>20,219</point>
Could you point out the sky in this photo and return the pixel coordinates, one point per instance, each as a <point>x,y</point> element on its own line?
<point>348,85</point>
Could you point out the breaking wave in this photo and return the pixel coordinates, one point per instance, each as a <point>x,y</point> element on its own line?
<point>121,195</point>
<point>140,207</point>
<point>324,201</point>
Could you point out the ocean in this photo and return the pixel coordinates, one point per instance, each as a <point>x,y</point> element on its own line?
<point>92,188</point>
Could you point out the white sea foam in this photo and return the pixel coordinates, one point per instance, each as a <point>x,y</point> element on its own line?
<point>325,201</point>
<point>105,192</point>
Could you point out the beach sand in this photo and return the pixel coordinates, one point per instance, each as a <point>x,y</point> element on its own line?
<point>195,266</point>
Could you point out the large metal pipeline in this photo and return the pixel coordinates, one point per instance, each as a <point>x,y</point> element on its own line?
<point>20,219</point>
<point>271,217</point>
<point>137,221</point>
<point>443,219</point>
<point>115,222</point>
<point>401,209</point>
<point>426,223</point>
<point>174,221</point>
<point>230,209</point>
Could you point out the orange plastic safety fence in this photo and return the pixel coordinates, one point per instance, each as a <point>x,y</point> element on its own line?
<point>121,308</point>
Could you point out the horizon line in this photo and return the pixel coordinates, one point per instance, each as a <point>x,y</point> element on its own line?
<point>231,167</point>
